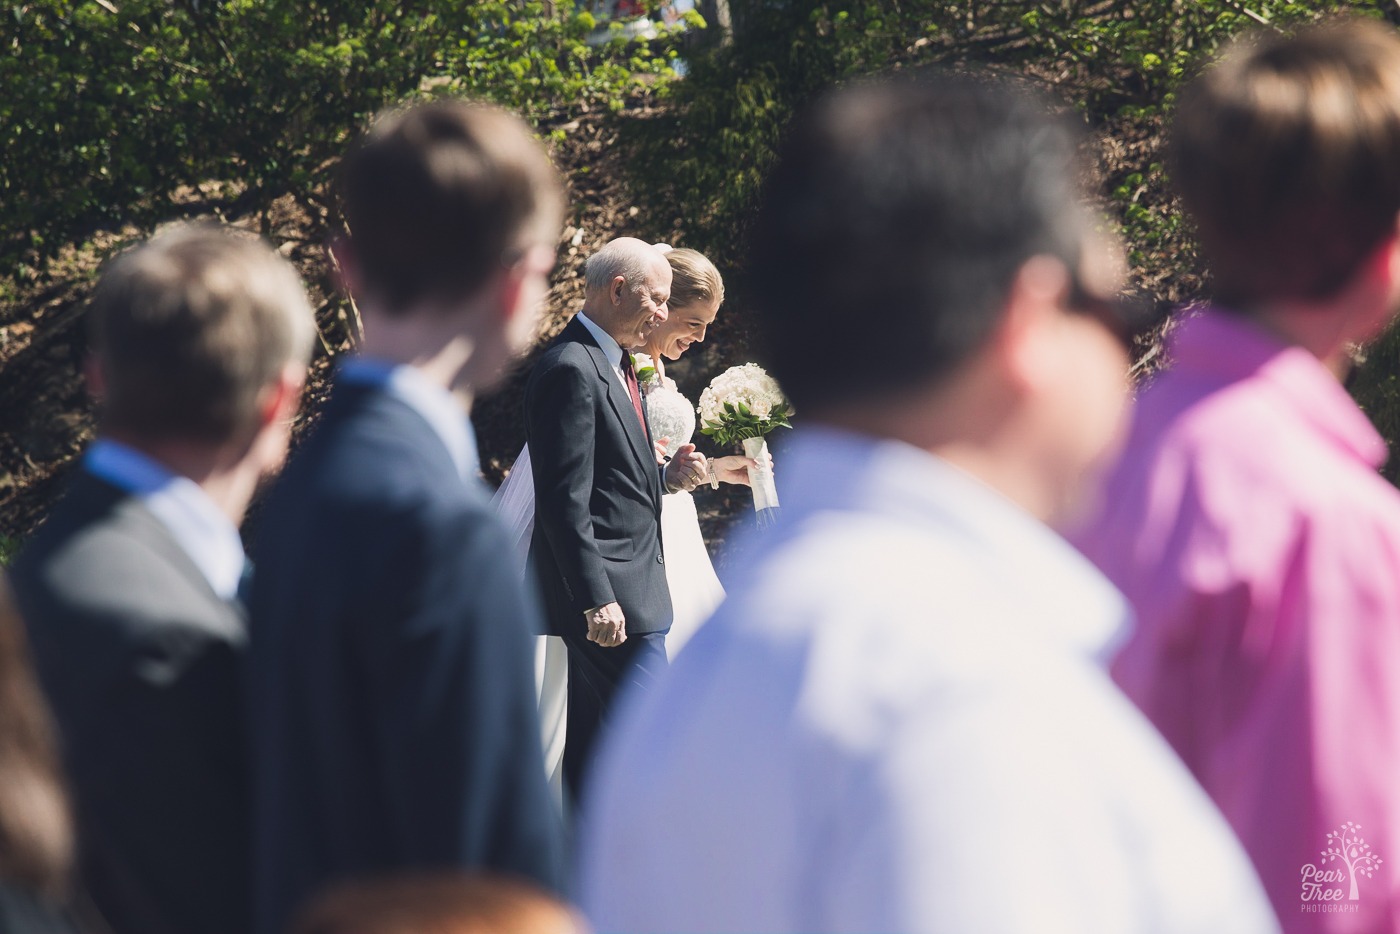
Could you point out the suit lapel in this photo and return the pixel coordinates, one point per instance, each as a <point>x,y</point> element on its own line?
<point>618,398</point>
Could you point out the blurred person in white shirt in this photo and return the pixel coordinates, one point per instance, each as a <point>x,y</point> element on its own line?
<point>900,718</point>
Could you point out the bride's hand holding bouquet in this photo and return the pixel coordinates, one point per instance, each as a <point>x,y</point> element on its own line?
<point>732,468</point>
<point>742,405</point>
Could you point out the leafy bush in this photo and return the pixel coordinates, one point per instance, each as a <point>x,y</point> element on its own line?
<point>9,547</point>
<point>108,111</point>
<point>707,156</point>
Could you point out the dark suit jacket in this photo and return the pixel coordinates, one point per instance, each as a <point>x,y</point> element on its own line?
<point>393,708</point>
<point>142,662</point>
<point>598,490</point>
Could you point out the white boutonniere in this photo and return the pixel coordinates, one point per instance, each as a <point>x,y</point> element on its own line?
<point>645,368</point>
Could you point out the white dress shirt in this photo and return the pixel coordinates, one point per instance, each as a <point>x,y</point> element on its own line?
<point>438,407</point>
<point>900,721</point>
<point>611,348</point>
<point>199,527</point>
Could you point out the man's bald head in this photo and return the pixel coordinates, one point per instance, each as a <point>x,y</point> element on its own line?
<point>628,283</point>
<point>628,257</point>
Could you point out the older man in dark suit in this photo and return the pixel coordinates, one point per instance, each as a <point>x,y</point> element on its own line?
<point>393,704</point>
<point>597,540</point>
<point>129,590</point>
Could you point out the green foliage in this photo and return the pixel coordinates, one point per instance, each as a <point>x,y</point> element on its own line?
<point>108,111</point>
<point>1152,46</point>
<point>540,65</point>
<point>1376,387</point>
<point>9,547</point>
<point>1126,61</point>
<point>707,157</point>
<point>738,422</point>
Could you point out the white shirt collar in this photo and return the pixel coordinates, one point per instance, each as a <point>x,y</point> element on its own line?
<point>611,348</point>
<point>200,528</point>
<point>438,407</point>
<point>830,469</point>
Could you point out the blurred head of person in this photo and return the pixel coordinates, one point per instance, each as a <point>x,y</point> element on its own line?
<point>1286,152</point>
<point>926,269</point>
<point>453,211</point>
<point>200,343</point>
<point>697,291</point>
<point>36,832</point>
<point>444,903</point>
<point>627,290</point>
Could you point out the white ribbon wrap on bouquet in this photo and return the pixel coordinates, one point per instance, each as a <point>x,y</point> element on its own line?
<point>765,491</point>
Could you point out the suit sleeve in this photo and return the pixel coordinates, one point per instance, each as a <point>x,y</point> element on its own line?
<point>454,706</point>
<point>561,413</point>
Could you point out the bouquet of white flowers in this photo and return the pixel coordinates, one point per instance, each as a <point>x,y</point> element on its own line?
<point>743,404</point>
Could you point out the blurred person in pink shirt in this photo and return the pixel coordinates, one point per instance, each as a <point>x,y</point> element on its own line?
<point>1246,522</point>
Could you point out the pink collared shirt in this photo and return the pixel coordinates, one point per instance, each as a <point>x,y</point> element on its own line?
<point>1248,527</point>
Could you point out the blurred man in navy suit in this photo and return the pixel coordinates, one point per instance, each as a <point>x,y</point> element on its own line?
<point>393,714</point>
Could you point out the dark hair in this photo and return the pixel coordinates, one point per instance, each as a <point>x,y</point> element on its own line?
<point>438,196</point>
<point>894,223</point>
<point>190,327</point>
<point>1287,154</point>
<point>36,834</point>
<point>436,903</point>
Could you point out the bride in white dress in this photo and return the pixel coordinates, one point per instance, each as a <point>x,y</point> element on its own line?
<point>697,291</point>
<point>696,294</point>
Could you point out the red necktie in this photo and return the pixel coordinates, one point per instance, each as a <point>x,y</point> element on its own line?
<point>633,388</point>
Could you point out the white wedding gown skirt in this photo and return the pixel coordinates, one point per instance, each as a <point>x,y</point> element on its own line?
<point>695,589</point>
<point>690,575</point>
<point>552,692</point>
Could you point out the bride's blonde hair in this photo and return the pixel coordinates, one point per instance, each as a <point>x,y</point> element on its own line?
<point>694,279</point>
